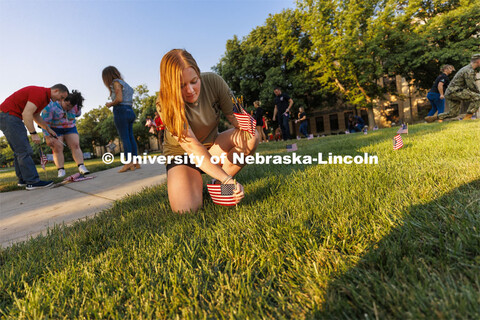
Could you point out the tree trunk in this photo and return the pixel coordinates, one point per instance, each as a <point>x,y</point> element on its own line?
<point>371,118</point>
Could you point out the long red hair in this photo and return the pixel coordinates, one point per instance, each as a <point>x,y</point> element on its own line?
<point>170,101</point>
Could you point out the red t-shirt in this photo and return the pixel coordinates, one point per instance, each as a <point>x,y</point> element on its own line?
<point>159,124</point>
<point>15,104</point>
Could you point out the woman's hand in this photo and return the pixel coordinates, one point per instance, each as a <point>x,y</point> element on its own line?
<point>51,132</point>
<point>238,193</point>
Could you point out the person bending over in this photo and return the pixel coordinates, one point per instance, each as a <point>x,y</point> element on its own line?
<point>61,117</point>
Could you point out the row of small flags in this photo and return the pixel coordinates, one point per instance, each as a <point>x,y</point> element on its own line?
<point>222,194</point>
<point>245,121</point>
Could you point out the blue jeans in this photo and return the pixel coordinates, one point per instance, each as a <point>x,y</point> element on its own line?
<point>303,128</point>
<point>283,122</point>
<point>123,117</point>
<point>437,103</point>
<point>16,134</point>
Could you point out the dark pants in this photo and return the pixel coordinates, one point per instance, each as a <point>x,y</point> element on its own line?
<point>123,116</point>
<point>16,134</point>
<point>438,105</point>
<point>283,122</point>
<point>303,128</point>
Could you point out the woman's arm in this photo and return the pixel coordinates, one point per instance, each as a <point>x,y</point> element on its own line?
<point>231,118</point>
<point>192,146</point>
<point>440,89</point>
<point>117,87</point>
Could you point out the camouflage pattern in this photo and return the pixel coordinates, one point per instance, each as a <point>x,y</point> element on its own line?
<point>462,88</point>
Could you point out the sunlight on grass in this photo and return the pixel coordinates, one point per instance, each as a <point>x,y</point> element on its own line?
<point>393,240</point>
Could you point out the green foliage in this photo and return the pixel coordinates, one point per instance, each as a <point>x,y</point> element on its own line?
<point>425,35</point>
<point>96,128</point>
<point>145,106</point>
<point>329,49</point>
<point>6,153</point>
<point>275,54</point>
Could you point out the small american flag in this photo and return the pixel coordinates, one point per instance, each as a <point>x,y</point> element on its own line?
<point>292,147</point>
<point>403,129</point>
<point>43,159</point>
<point>245,121</point>
<point>397,142</point>
<point>77,177</point>
<point>222,194</point>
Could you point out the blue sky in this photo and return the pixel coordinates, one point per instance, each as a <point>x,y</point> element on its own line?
<point>70,42</point>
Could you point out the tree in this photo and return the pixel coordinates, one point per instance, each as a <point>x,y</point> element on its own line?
<point>96,127</point>
<point>423,35</point>
<point>275,54</point>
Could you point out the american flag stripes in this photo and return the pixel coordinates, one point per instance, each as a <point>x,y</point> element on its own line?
<point>222,194</point>
<point>245,121</point>
<point>397,142</point>
<point>43,159</point>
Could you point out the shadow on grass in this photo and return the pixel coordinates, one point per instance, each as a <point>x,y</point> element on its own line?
<point>429,267</point>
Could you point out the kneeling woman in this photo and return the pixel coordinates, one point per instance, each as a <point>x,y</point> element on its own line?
<point>61,118</point>
<point>190,104</point>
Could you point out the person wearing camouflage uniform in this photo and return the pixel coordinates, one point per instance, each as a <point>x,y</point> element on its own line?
<point>463,88</point>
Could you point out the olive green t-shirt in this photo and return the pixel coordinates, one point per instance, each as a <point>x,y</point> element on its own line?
<point>203,117</point>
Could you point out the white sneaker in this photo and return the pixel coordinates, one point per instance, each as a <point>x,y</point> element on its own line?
<point>82,169</point>
<point>61,173</point>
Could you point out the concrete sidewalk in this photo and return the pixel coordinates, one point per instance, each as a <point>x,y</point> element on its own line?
<point>24,214</point>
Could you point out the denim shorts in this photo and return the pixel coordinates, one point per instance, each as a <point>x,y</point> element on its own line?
<point>63,131</point>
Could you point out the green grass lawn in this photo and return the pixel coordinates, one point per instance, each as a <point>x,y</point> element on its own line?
<point>397,240</point>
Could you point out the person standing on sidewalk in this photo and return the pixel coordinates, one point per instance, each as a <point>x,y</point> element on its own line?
<point>19,111</point>
<point>283,104</point>
<point>463,88</point>
<point>123,115</point>
<point>436,94</point>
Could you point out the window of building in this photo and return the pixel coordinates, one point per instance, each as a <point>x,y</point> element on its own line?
<point>319,124</point>
<point>333,122</point>
<point>391,113</point>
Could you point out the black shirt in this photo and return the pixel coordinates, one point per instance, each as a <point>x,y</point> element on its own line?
<point>281,102</point>
<point>300,116</point>
<point>259,116</point>
<point>441,78</point>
